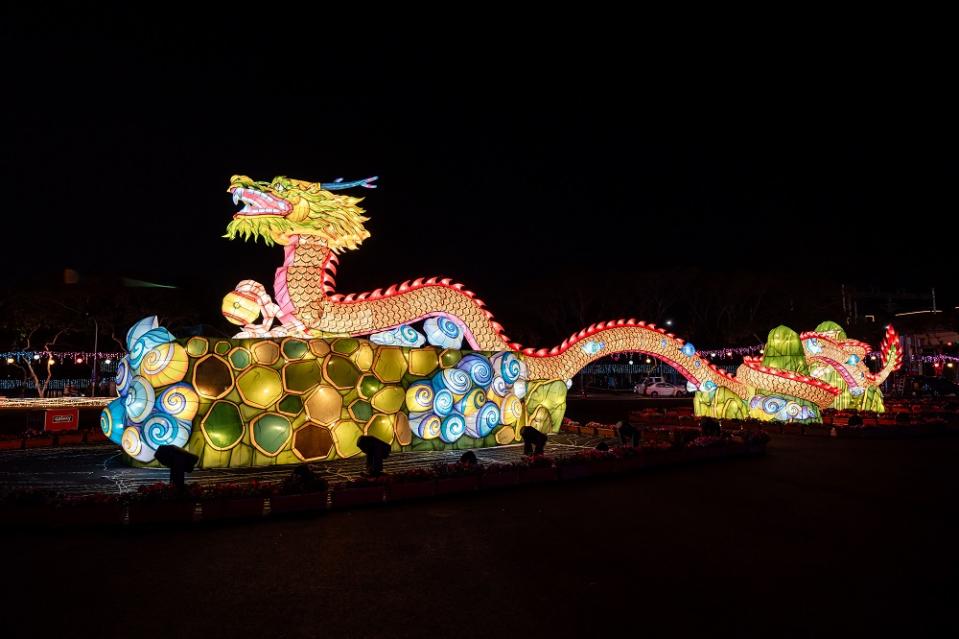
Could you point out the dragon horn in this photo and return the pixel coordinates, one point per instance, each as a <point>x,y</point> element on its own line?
<point>339,185</point>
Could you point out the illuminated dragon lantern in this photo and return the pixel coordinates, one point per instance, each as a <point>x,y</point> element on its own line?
<point>314,225</point>
<point>313,369</point>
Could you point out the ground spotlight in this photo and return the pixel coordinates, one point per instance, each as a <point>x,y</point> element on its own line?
<point>376,451</point>
<point>628,434</point>
<point>179,462</point>
<point>710,426</point>
<point>533,441</point>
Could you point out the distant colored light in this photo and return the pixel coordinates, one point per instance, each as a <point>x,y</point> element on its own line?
<point>669,322</point>
<point>630,362</point>
<point>79,360</point>
<point>50,361</point>
<point>9,360</point>
<point>649,361</point>
<point>106,361</point>
<point>949,365</point>
<point>36,357</point>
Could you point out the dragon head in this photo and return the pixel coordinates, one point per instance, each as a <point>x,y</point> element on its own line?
<point>279,210</point>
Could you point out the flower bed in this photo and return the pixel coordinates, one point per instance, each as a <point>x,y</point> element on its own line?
<point>499,476</point>
<point>69,439</point>
<point>161,503</point>
<point>456,478</point>
<point>302,491</point>
<point>416,484</point>
<point>359,492</point>
<point>307,502</point>
<point>90,510</point>
<point>38,442</point>
<point>538,468</point>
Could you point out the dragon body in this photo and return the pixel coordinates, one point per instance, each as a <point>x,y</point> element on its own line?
<point>315,224</point>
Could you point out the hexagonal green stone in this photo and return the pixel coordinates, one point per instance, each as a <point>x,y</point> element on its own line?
<point>450,357</point>
<point>345,346</point>
<point>271,432</point>
<point>295,348</point>
<point>197,346</point>
<point>361,410</point>
<point>381,427</point>
<point>299,377</point>
<point>369,385</point>
<point>221,348</point>
<point>212,377</point>
<point>260,386</point>
<point>389,399</point>
<point>240,358</point>
<point>223,426</point>
<point>291,405</point>
<point>341,372</point>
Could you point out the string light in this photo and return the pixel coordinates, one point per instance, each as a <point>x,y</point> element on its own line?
<point>937,359</point>
<point>61,356</point>
<point>10,360</point>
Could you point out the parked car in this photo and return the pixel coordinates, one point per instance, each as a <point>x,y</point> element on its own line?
<point>640,388</point>
<point>664,389</point>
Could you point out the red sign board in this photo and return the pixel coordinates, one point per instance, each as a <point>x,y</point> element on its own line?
<point>61,419</point>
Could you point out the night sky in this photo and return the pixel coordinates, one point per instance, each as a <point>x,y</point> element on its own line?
<point>506,159</point>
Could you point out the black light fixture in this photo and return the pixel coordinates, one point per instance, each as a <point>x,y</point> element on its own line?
<point>628,433</point>
<point>710,427</point>
<point>533,441</point>
<point>179,462</point>
<point>376,451</point>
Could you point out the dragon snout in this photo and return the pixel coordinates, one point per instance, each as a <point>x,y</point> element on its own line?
<point>258,203</point>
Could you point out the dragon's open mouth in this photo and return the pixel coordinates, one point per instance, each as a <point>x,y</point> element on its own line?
<point>259,203</point>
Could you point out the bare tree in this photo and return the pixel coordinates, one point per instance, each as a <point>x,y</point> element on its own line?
<point>40,371</point>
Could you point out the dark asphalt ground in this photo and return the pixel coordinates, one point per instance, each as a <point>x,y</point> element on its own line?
<point>821,537</point>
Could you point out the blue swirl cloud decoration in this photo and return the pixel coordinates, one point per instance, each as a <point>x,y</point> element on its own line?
<point>145,417</point>
<point>467,399</point>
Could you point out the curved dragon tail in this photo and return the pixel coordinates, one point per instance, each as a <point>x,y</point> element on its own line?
<point>890,354</point>
<point>627,336</point>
